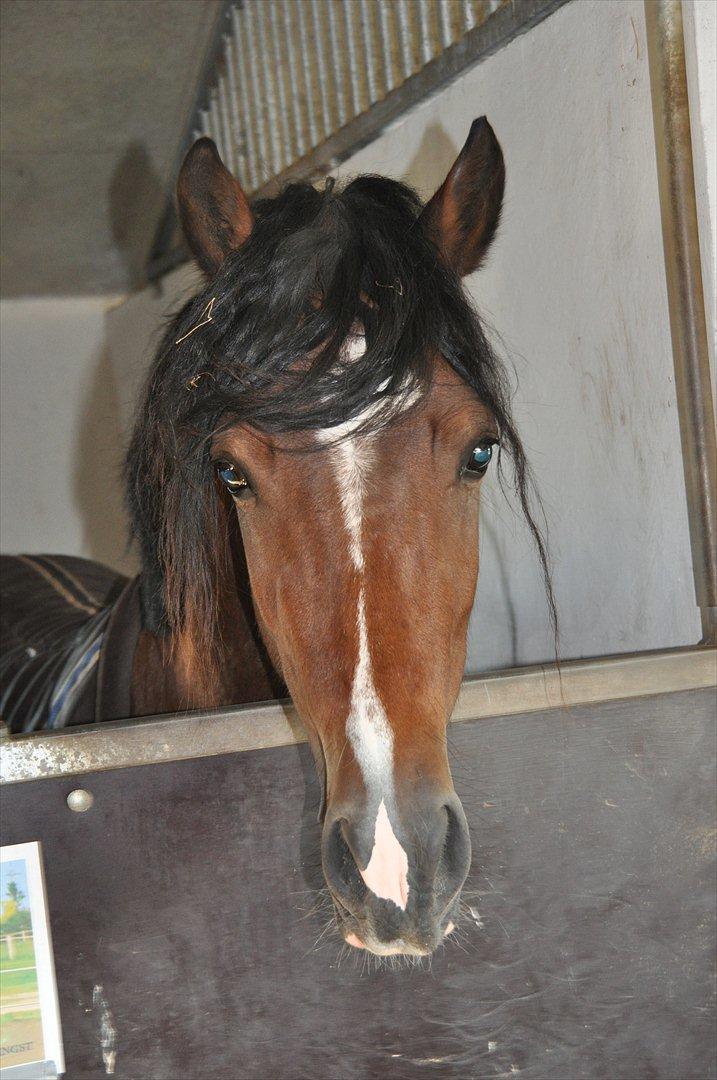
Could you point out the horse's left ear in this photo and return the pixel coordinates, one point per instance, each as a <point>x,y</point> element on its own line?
<point>463,215</point>
<point>214,211</point>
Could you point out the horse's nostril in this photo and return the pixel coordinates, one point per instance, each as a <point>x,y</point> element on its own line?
<point>456,854</point>
<point>340,868</point>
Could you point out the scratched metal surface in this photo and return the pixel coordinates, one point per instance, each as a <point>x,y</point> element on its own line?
<point>186,894</point>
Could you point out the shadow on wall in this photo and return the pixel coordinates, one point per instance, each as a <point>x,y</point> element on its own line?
<point>431,163</point>
<point>98,486</point>
<point>135,199</point>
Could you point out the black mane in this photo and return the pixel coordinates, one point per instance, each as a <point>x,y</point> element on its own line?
<point>317,264</point>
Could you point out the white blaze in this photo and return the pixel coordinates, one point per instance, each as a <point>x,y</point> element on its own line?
<point>387,872</point>
<point>367,726</point>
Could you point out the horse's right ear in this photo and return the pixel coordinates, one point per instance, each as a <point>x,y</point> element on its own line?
<point>213,209</point>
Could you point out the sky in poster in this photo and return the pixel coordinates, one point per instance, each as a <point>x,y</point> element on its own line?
<point>13,871</point>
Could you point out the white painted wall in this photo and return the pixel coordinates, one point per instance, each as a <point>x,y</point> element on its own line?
<point>60,487</point>
<point>575,287</point>
<point>134,332</point>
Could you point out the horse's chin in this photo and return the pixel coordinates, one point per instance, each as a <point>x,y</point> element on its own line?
<point>365,940</point>
<point>381,948</point>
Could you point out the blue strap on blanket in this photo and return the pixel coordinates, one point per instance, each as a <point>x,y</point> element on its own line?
<point>77,669</point>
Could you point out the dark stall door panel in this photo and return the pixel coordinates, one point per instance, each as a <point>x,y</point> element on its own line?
<point>189,894</point>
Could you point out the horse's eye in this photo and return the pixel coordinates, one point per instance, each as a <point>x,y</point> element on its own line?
<point>232,479</point>
<point>479,459</point>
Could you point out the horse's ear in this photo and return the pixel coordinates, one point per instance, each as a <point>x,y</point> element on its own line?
<point>213,209</point>
<point>463,215</point>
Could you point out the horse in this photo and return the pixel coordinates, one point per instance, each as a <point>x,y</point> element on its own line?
<point>304,482</point>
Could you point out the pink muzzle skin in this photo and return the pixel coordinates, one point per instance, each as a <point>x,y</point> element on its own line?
<point>387,872</point>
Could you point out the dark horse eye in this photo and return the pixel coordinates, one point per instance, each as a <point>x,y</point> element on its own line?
<point>233,480</point>
<point>479,459</point>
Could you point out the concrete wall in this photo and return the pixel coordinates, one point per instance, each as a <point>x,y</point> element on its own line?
<point>62,445</point>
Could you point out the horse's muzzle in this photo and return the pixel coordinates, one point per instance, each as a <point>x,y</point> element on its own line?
<point>396,877</point>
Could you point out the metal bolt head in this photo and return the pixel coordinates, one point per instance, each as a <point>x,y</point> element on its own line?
<point>80,800</point>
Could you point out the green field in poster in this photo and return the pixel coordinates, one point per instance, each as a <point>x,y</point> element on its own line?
<point>21,1038</point>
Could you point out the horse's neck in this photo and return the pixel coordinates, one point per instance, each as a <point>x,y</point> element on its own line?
<point>167,679</point>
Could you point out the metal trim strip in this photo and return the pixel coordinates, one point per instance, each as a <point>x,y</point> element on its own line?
<point>683,272</point>
<point>129,743</point>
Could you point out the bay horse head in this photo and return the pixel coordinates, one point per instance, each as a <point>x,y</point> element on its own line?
<point>328,406</point>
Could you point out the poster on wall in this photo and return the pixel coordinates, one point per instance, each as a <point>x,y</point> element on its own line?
<point>30,1034</point>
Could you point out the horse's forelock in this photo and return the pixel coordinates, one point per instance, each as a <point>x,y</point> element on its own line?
<point>316,264</point>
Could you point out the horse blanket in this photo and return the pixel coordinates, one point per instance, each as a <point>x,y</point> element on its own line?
<point>68,632</point>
